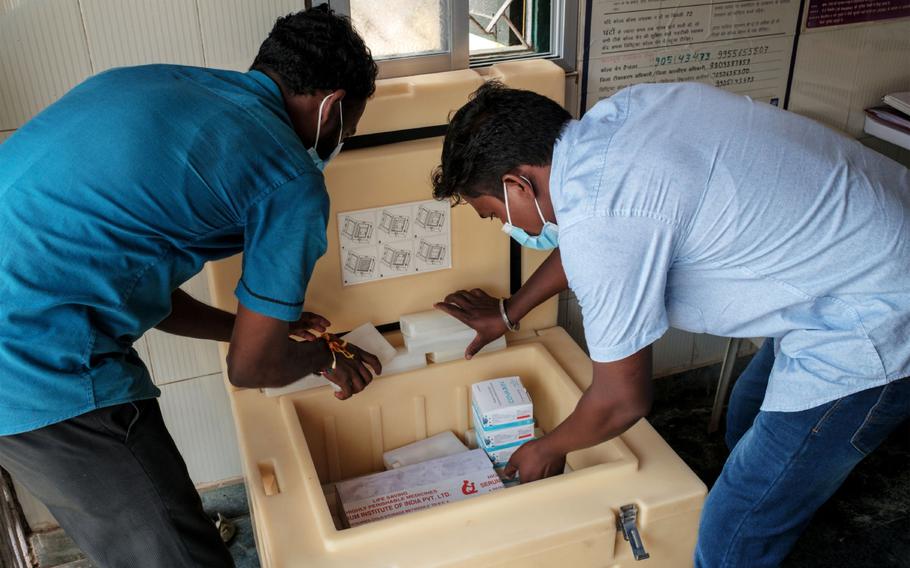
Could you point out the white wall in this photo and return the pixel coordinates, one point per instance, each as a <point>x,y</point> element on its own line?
<point>842,70</point>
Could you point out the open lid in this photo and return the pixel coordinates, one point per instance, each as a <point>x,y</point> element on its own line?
<point>399,143</point>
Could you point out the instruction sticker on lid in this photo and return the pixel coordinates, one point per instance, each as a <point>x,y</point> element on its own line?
<point>392,241</point>
<point>501,403</point>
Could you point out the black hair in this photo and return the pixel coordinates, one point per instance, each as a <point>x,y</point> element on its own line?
<point>318,49</point>
<point>496,131</point>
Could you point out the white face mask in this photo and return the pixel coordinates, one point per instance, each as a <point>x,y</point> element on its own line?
<point>320,163</point>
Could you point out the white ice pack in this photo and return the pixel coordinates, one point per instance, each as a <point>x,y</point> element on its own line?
<point>438,446</point>
<point>501,403</point>
<point>368,338</point>
<point>403,362</point>
<point>430,322</point>
<point>434,331</point>
<point>416,487</point>
<point>458,353</point>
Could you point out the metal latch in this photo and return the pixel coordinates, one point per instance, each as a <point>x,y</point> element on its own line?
<point>628,516</point>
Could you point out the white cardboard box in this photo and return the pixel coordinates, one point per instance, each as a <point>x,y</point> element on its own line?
<point>438,446</point>
<point>416,487</point>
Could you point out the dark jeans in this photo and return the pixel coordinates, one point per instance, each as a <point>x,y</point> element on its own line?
<point>784,465</point>
<point>116,483</point>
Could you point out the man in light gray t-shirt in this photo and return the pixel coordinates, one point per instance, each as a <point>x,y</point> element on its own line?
<point>683,205</point>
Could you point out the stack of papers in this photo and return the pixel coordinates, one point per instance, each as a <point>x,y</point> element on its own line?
<point>899,101</point>
<point>891,121</point>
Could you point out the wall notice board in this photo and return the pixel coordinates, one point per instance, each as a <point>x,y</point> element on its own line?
<point>745,46</point>
<point>822,13</point>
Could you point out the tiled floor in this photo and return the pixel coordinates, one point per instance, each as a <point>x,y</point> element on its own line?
<point>866,524</point>
<point>55,549</point>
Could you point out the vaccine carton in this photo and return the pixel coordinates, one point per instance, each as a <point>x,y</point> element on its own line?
<point>499,404</point>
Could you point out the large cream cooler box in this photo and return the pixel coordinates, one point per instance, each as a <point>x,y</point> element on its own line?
<point>293,444</point>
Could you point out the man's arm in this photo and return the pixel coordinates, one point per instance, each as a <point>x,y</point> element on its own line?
<point>261,355</point>
<point>619,396</point>
<point>480,311</point>
<point>548,280</point>
<point>191,318</point>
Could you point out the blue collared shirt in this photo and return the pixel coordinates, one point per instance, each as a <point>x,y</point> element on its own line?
<point>118,193</point>
<point>687,206</point>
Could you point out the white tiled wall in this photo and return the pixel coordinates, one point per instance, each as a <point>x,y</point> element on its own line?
<point>43,54</point>
<point>172,358</point>
<point>233,29</point>
<point>198,414</point>
<point>133,32</point>
<point>49,46</point>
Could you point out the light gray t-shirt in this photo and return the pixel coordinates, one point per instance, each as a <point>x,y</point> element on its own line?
<point>687,206</point>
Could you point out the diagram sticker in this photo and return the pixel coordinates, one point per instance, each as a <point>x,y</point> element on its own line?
<point>393,241</point>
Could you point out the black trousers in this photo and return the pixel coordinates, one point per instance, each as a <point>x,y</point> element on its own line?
<point>117,485</point>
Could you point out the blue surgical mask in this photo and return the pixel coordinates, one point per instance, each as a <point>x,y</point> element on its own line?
<point>320,163</point>
<point>548,239</point>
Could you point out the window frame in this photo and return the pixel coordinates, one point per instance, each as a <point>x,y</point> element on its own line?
<point>563,40</point>
<point>454,57</point>
<point>563,43</point>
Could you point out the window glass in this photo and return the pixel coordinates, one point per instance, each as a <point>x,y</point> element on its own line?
<point>401,28</point>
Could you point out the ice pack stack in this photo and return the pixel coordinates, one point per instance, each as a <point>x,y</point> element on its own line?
<point>440,336</point>
<point>503,417</point>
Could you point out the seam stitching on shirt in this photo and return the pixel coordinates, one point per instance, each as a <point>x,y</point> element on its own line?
<point>253,204</point>
<point>268,299</point>
<point>247,111</point>
<point>261,196</point>
<point>626,213</point>
<point>128,291</point>
<point>701,201</point>
<point>603,162</point>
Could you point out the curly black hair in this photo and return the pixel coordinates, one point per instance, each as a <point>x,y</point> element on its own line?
<point>318,49</point>
<point>496,131</point>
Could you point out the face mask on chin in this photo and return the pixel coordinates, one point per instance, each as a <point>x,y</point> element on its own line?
<point>548,239</point>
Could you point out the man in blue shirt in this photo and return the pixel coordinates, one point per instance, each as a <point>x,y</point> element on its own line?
<point>685,205</point>
<point>113,197</point>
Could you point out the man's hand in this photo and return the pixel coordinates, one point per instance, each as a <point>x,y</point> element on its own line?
<point>619,396</point>
<point>478,310</point>
<point>309,322</point>
<point>352,375</point>
<point>535,460</point>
